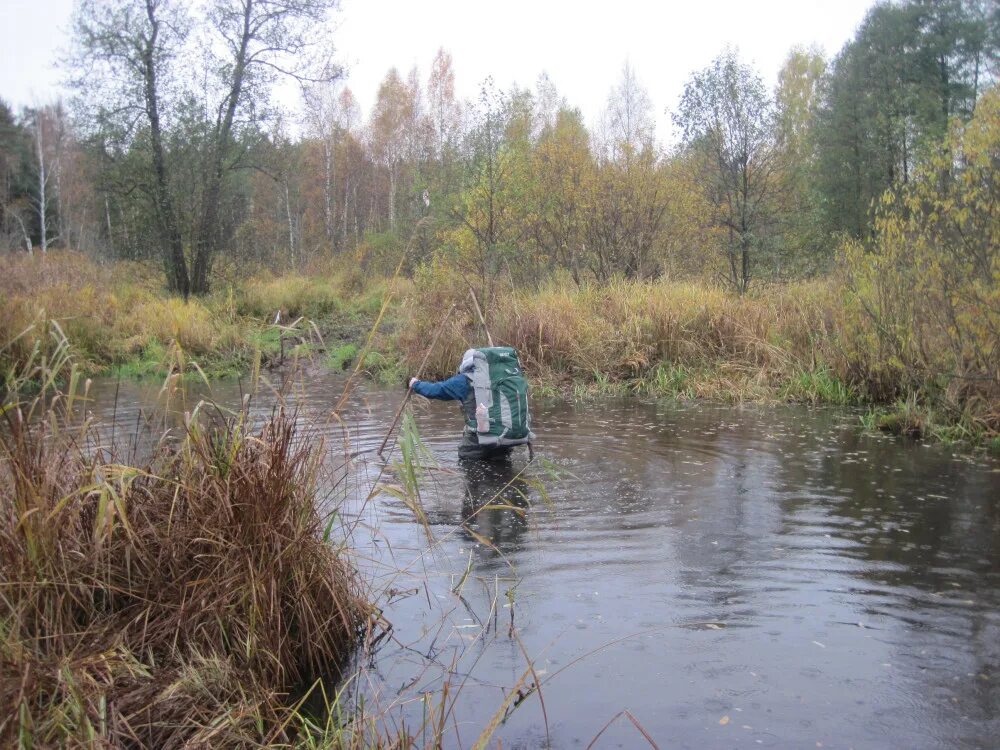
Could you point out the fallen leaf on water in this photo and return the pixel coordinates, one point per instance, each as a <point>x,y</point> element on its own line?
<point>724,720</point>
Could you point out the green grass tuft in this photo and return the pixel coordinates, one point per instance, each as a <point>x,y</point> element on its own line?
<point>150,362</point>
<point>818,387</point>
<point>383,368</point>
<point>670,380</point>
<point>342,357</point>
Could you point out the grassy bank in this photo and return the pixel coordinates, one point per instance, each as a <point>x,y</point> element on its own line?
<point>118,319</point>
<point>804,342</point>
<point>801,342</point>
<point>672,339</point>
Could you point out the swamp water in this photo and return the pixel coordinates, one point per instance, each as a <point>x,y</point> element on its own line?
<point>732,577</point>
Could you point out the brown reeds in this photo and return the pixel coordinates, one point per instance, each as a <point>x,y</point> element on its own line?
<point>177,603</point>
<point>624,331</point>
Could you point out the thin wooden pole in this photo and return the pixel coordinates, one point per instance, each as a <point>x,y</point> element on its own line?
<point>475,301</point>
<point>378,320</point>
<point>420,371</point>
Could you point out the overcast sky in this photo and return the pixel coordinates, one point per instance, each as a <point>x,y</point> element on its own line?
<point>581,45</point>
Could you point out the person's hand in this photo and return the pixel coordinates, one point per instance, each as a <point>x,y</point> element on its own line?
<point>413,381</point>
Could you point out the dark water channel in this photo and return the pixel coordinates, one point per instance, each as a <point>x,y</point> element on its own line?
<point>733,577</point>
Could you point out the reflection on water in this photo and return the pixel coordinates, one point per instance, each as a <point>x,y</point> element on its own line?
<point>733,577</point>
<point>495,505</point>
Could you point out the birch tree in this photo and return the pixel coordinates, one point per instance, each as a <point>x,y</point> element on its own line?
<point>626,222</point>
<point>48,136</point>
<point>727,119</point>
<point>390,117</point>
<point>627,125</point>
<point>322,104</point>
<point>445,111</point>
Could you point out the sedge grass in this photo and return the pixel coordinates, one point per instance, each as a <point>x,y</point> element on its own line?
<point>171,603</point>
<point>794,342</point>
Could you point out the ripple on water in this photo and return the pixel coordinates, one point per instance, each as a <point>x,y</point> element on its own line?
<point>692,562</point>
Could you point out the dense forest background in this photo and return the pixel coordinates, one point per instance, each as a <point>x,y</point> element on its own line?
<point>190,164</point>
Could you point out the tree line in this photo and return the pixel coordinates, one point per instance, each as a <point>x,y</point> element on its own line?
<point>172,148</point>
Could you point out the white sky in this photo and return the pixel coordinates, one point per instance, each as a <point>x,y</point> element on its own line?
<point>581,45</point>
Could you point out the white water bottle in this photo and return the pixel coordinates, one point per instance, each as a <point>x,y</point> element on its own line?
<point>482,418</point>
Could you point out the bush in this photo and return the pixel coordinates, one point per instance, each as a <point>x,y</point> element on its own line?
<point>924,296</point>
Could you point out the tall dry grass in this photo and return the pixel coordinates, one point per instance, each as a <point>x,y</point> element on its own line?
<point>805,341</point>
<point>119,317</point>
<point>172,603</point>
<point>625,332</point>
<point>110,314</point>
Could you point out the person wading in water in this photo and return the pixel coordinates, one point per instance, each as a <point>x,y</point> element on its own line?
<point>493,392</point>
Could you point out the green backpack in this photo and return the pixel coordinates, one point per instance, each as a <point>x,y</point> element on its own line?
<point>498,382</point>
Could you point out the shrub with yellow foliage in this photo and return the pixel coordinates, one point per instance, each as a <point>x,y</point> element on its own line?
<point>924,297</point>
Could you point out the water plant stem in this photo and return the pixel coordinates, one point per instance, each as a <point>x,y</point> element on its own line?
<point>479,311</point>
<point>420,371</point>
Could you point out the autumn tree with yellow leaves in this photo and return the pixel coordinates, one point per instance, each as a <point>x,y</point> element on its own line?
<point>926,291</point>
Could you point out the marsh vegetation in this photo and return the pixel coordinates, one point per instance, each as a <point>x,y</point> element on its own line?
<point>206,571</point>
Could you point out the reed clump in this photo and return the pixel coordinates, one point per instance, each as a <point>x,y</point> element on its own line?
<point>176,603</point>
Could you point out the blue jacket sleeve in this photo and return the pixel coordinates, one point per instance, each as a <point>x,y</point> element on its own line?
<point>454,388</point>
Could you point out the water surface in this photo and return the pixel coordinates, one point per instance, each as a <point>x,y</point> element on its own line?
<point>733,577</point>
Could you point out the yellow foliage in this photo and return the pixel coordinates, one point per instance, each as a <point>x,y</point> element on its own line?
<point>925,296</point>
